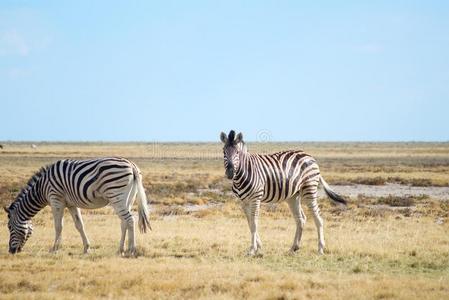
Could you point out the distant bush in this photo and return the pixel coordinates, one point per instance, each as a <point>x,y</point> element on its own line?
<point>411,181</point>
<point>400,200</point>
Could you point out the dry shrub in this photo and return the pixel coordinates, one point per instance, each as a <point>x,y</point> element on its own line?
<point>22,285</point>
<point>377,180</point>
<point>171,211</point>
<point>217,196</point>
<point>7,194</point>
<point>220,183</point>
<point>411,181</point>
<point>197,201</point>
<point>435,208</point>
<point>421,182</point>
<point>397,200</point>
<point>370,180</point>
<point>375,211</point>
<point>204,213</point>
<point>172,189</point>
<point>363,199</point>
<point>444,205</point>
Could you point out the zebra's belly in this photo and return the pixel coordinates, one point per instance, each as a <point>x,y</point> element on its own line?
<point>88,204</point>
<point>279,197</point>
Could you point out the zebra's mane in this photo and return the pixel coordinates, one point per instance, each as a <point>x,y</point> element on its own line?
<point>29,185</point>
<point>231,137</point>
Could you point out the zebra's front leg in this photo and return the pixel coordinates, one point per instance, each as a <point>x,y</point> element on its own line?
<point>58,214</point>
<point>252,213</point>
<point>246,210</point>
<point>78,220</point>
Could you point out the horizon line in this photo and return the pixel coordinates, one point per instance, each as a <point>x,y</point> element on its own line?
<point>211,142</point>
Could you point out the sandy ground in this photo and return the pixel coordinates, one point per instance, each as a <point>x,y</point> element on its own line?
<point>353,191</point>
<point>441,193</point>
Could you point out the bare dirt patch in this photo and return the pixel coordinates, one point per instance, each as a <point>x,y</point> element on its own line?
<point>399,190</point>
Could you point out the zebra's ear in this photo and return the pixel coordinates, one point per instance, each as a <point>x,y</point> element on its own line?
<point>239,138</point>
<point>223,137</point>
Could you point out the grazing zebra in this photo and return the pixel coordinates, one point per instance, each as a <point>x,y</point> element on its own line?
<point>292,176</point>
<point>76,184</point>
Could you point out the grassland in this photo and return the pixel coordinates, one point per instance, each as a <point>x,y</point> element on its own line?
<point>377,248</point>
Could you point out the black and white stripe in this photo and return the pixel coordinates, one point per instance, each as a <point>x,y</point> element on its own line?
<point>76,184</point>
<point>292,176</point>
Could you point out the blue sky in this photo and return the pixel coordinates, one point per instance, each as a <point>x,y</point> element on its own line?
<point>186,70</point>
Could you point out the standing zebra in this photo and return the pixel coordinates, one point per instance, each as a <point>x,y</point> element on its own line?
<point>79,184</point>
<point>288,175</point>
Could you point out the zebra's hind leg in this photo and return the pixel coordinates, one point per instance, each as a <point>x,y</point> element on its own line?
<point>310,195</point>
<point>78,220</point>
<point>132,250</point>
<point>123,226</point>
<point>300,219</point>
<point>258,242</point>
<point>127,225</point>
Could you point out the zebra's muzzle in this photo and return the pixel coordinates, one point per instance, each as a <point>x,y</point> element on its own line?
<point>15,250</point>
<point>230,172</point>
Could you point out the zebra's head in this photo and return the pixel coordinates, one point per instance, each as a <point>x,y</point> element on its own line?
<point>233,146</point>
<point>19,231</point>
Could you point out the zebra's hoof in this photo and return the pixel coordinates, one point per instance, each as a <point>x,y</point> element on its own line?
<point>254,253</point>
<point>320,251</point>
<point>131,253</point>
<point>294,248</point>
<point>251,252</point>
<point>293,251</point>
<point>86,249</point>
<point>258,254</point>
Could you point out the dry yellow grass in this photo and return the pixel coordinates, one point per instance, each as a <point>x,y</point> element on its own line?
<point>202,256</point>
<point>372,252</point>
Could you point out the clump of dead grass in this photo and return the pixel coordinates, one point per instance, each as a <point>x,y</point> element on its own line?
<point>397,200</point>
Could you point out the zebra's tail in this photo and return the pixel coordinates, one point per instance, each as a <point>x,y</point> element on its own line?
<point>330,193</point>
<point>142,203</point>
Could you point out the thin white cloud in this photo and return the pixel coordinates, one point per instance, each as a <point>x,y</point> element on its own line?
<point>13,43</point>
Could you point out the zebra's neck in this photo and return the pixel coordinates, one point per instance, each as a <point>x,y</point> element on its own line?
<point>247,172</point>
<point>31,199</point>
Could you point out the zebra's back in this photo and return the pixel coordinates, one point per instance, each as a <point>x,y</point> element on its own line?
<point>89,183</point>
